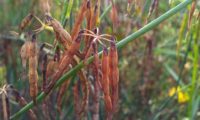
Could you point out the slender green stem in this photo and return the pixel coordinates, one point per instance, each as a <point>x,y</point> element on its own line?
<point>105,12</point>
<point>120,44</point>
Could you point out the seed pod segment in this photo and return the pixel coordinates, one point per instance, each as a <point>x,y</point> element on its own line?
<point>79,19</point>
<point>61,34</point>
<point>25,21</point>
<point>105,80</point>
<point>96,83</point>
<point>33,63</point>
<point>114,73</point>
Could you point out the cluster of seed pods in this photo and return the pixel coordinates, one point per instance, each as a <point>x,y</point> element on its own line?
<point>104,69</point>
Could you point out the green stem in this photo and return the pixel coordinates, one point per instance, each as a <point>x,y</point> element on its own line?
<point>105,12</point>
<point>120,44</point>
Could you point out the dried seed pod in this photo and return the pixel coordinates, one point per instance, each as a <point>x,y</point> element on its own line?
<point>25,21</point>
<point>105,71</point>
<point>105,80</point>
<point>89,14</point>
<point>33,75</point>
<point>79,19</point>
<point>64,62</point>
<point>114,73</point>
<point>114,15</point>
<point>61,34</point>
<point>96,66</point>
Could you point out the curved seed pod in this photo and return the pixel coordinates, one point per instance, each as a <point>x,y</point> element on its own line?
<point>25,21</point>
<point>33,75</point>
<point>96,66</point>
<point>105,80</point>
<point>79,19</point>
<point>61,34</point>
<point>114,73</point>
<point>64,62</point>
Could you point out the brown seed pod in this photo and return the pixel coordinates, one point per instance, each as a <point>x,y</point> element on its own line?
<point>105,71</point>
<point>79,19</point>
<point>25,21</point>
<point>105,80</point>
<point>33,63</point>
<point>61,34</point>
<point>64,62</point>
<point>96,95</point>
<point>89,14</point>
<point>114,15</point>
<point>114,74</point>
